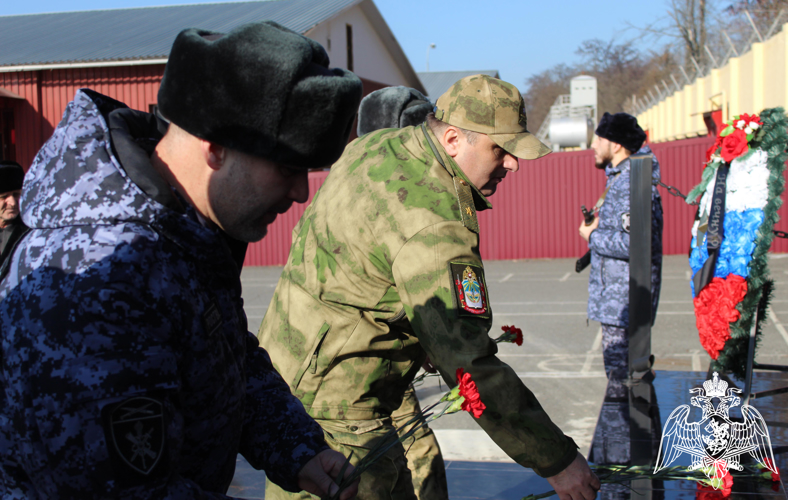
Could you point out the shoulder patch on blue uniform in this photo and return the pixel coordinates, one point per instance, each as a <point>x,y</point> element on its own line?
<point>625,222</point>
<point>470,290</point>
<point>136,437</point>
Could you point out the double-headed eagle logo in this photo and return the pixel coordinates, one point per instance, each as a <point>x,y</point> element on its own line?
<point>715,442</point>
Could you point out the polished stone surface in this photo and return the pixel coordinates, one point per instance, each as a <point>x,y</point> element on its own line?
<point>502,481</point>
<point>613,442</point>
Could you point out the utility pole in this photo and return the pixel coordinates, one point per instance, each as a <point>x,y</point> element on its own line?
<point>430,46</point>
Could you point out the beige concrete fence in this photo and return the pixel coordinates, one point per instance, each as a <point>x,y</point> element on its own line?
<point>749,83</point>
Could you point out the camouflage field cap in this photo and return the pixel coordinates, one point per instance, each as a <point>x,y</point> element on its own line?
<point>484,104</point>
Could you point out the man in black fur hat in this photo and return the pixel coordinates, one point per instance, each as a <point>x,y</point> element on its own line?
<point>128,368</point>
<point>11,225</point>
<point>618,136</point>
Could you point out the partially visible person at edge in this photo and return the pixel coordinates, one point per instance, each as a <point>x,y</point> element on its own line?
<point>617,137</point>
<point>127,367</point>
<point>385,270</point>
<point>398,107</point>
<point>11,225</point>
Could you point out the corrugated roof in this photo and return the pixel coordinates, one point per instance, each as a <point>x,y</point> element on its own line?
<point>438,82</point>
<point>142,33</point>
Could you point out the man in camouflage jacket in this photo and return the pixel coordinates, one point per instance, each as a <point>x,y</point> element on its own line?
<point>397,107</point>
<point>617,136</point>
<point>385,270</point>
<point>126,366</point>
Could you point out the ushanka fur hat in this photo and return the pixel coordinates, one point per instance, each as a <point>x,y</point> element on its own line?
<point>623,129</point>
<point>261,89</point>
<point>392,107</point>
<point>11,176</point>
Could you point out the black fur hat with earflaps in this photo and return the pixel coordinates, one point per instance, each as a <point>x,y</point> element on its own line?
<point>261,89</point>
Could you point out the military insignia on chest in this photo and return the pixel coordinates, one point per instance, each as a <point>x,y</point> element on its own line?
<point>467,208</point>
<point>470,290</point>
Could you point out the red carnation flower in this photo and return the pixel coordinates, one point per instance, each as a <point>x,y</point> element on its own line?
<point>734,145</point>
<point>707,491</point>
<point>713,149</point>
<point>727,482</point>
<point>518,339</point>
<point>510,334</point>
<point>769,464</point>
<point>473,401</point>
<point>750,119</point>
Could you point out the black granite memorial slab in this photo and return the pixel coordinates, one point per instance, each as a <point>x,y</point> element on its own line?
<point>614,443</point>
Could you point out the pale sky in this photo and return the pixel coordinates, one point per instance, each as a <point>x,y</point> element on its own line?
<point>516,37</point>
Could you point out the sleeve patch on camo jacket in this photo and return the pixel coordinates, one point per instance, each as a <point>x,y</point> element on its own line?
<point>470,290</point>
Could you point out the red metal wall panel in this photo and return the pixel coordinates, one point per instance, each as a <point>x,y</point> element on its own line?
<point>537,209</point>
<point>275,247</point>
<point>27,121</point>
<point>46,94</point>
<point>135,86</point>
<point>681,163</point>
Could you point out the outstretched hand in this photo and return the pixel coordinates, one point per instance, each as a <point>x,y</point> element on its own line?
<point>576,482</point>
<point>317,476</point>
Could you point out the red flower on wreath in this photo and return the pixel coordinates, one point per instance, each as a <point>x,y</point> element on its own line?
<point>715,310</point>
<point>713,148</point>
<point>473,401</point>
<point>734,145</point>
<point>750,119</point>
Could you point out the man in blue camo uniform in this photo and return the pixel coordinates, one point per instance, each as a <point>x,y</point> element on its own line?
<point>127,370</point>
<point>617,137</point>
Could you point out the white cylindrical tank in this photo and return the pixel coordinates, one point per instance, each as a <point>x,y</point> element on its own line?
<point>571,131</point>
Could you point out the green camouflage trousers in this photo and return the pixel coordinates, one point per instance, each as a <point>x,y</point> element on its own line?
<point>423,453</point>
<point>390,478</point>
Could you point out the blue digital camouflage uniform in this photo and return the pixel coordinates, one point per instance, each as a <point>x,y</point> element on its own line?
<point>608,283</point>
<point>608,302</point>
<point>127,368</point>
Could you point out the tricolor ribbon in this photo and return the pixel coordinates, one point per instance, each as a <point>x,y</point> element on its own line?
<point>715,233</point>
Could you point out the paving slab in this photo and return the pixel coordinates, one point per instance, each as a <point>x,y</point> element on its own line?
<point>560,360</point>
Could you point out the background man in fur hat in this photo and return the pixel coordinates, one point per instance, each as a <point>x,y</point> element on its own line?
<point>127,369</point>
<point>371,289</point>
<point>398,107</point>
<point>617,137</point>
<point>11,225</point>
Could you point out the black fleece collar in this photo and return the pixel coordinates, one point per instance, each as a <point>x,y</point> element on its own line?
<point>134,137</point>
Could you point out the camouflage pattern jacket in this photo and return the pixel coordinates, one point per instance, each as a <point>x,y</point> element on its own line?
<point>126,367</point>
<point>608,283</point>
<point>385,269</point>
